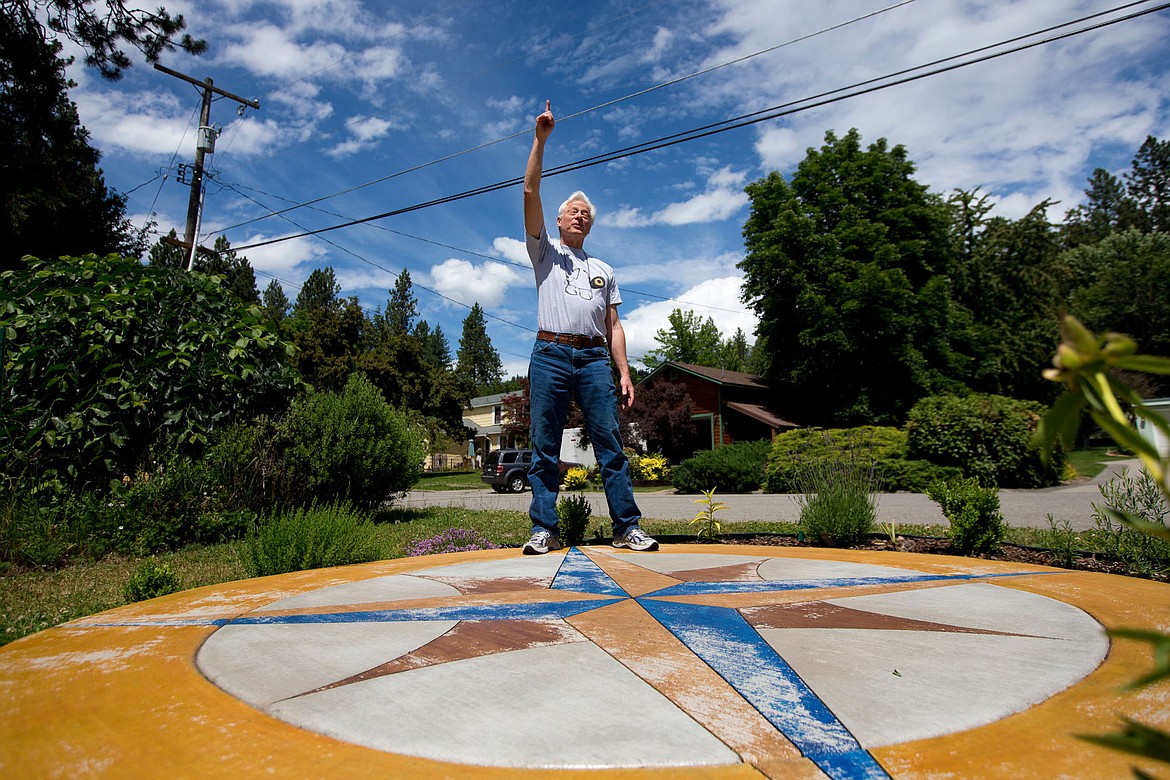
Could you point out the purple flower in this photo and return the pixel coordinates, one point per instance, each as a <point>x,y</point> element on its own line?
<point>451,540</point>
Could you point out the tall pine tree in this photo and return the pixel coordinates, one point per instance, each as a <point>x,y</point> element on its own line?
<point>479,365</point>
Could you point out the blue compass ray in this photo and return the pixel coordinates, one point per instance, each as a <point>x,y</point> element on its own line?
<point>768,586</point>
<point>578,573</point>
<point>546,610</point>
<point>729,645</point>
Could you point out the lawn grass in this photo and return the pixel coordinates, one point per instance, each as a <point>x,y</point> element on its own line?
<point>1092,461</point>
<point>34,599</point>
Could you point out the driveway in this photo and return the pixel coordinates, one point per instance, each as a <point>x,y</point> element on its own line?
<point>1021,508</point>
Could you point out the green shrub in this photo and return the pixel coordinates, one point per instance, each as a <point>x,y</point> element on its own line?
<point>152,579</point>
<point>733,468</point>
<point>912,475</point>
<point>241,461</point>
<point>350,446</point>
<point>172,503</point>
<point>576,479</point>
<point>837,487</point>
<point>1141,497</point>
<point>572,518</point>
<point>106,357</point>
<point>653,467</point>
<point>315,537</point>
<point>791,448</point>
<point>987,436</point>
<point>976,524</point>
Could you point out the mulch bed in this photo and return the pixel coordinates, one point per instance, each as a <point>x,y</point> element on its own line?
<point>940,546</point>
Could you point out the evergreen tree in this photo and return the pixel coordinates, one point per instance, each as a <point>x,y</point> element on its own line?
<point>102,31</point>
<point>276,304</point>
<point>1148,185</point>
<point>1107,208</point>
<point>436,350</point>
<point>479,364</point>
<point>402,308</point>
<point>53,195</point>
<point>237,272</point>
<point>320,292</point>
<point>166,254</point>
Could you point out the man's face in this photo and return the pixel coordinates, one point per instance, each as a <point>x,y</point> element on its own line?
<point>574,223</point>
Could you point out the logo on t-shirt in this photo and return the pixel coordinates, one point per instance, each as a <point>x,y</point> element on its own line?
<point>576,284</point>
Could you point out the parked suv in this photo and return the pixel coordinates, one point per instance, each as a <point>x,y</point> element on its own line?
<point>507,470</point>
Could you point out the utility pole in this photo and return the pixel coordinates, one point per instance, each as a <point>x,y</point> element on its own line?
<point>205,144</point>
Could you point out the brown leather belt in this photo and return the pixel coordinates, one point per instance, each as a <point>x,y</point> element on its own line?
<point>575,340</point>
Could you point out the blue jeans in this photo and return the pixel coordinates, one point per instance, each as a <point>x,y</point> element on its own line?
<point>557,372</point>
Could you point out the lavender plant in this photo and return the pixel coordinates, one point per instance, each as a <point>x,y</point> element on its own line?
<point>449,541</point>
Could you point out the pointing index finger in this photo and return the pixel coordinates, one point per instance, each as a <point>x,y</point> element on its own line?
<point>548,105</point>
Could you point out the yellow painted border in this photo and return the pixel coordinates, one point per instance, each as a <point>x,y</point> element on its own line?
<point>84,700</point>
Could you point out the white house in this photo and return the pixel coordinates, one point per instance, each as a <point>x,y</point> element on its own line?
<point>485,416</point>
<point>1161,407</point>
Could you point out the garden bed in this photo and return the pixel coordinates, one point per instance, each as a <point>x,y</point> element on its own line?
<point>1080,561</point>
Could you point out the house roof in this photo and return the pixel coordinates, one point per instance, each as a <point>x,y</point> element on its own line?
<point>764,415</point>
<point>717,375</point>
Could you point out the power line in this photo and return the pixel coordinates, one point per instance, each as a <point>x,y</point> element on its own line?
<point>580,113</point>
<point>462,250</point>
<point>382,268</point>
<point>746,120</point>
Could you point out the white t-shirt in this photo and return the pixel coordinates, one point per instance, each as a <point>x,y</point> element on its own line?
<point>573,288</point>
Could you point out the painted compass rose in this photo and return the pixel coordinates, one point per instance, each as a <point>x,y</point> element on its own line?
<point>595,658</point>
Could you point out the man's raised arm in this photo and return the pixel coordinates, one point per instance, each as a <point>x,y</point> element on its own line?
<point>533,211</point>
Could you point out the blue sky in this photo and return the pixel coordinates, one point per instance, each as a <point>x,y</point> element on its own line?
<point>375,107</point>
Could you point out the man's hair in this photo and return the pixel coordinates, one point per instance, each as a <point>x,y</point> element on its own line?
<point>581,196</point>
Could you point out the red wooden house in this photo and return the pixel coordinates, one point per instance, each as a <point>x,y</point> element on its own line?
<point>727,406</point>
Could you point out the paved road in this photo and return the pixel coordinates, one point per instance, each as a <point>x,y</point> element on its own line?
<point>1021,508</point>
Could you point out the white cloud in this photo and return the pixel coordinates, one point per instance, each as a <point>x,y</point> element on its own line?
<point>512,249</point>
<point>662,40</point>
<point>364,132</point>
<point>271,51</point>
<point>291,260</point>
<point>468,283</point>
<point>717,298</point>
<point>723,198</point>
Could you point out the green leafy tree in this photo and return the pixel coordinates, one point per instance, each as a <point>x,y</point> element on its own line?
<point>53,196</point>
<point>1009,284</point>
<point>1127,288</point>
<point>689,339</point>
<point>106,357</point>
<point>843,268</point>
<point>736,352</point>
<point>479,365</point>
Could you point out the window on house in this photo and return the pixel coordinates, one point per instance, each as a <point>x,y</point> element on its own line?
<point>498,415</point>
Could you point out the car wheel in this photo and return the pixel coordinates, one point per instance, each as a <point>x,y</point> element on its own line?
<point>516,484</point>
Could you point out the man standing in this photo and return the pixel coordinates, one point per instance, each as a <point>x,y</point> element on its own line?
<point>577,300</point>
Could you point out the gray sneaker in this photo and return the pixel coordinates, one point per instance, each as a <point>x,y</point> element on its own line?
<point>636,539</point>
<point>541,542</point>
